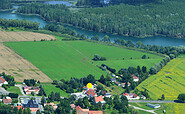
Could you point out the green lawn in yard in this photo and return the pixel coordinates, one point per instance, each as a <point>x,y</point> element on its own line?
<point>48,88</point>
<point>14,89</point>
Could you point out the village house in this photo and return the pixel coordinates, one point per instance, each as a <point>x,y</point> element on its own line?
<point>113,79</point>
<point>135,78</point>
<point>123,84</point>
<point>51,104</point>
<point>99,99</point>
<point>108,95</point>
<point>91,93</point>
<point>117,83</point>
<point>79,95</point>
<point>87,111</point>
<point>28,90</point>
<point>131,96</point>
<point>2,81</point>
<point>8,100</point>
<point>32,105</point>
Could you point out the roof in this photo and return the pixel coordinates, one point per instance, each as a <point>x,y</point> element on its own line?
<point>83,110</point>
<point>7,100</point>
<point>125,94</point>
<point>91,92</point>
<point>19,107</point>
<point>95,112</point>
<point>34,109</point>
<point>134,77</point>
<point>99,99</point>
<point>72,105</point>
<point>135,95</point>
<point>31,104</point>
<point>2,80</point>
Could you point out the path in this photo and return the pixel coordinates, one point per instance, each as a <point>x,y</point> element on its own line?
<point>3,91</point>
<point>150,101</point>
<point>20,87</point>
<point>151,111</point>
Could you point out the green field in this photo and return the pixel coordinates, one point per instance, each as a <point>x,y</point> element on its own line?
<point>65,59</point>
<point>170,81</point>
<point>48,88</point>
<point>14,89</point>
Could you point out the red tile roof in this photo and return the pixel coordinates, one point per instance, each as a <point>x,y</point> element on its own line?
<point>19,107</point>
<point>99,99</point>
<point>95,112</point>
<point>91,92</point>
<point>125,94</point>
<point>7,100</point>
<point>3,80</point>
<point>83,110</point>
<point>78,108</point>
<point>72,105</point>
<point>135,95</point>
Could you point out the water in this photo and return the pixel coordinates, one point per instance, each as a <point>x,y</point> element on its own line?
<point>59,2</point>
<point>157,40</point>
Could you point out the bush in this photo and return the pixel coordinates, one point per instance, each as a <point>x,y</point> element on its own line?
<point>13,95</point>
<point>181,97</point>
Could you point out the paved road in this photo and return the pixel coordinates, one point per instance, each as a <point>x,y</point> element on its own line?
<point>38,100</point>
<point>150,101</point>
<point>3,91</point>
<point>151,111</point>
<point>20,87</point>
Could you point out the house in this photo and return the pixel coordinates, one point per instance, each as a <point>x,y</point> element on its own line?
<point>113,79</point>
<point>117,83</point>
<point>87,111</point>
<point>91,93</point>
<point>51,104</point>
<point>99,99</point>
<point>123,84</point>
<point>72,106</point>
<point>131,96</point>
<point>2,81</point>
<point>7,101</point>
<point>28,90</point>
<point>135,78</point>
<point>153,105</point>
<point>32,105</point>
<point>143,97</point>
<point>79,95</point>
<point>108,95</point>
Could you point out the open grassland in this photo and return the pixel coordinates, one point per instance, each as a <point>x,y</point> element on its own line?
<point>15,65</point>
<point>48,88</point>
<point>14,89</point>
<point>170,81</point>
<point>56,59</point>
<point>115,55</point>
<point>23,36</point>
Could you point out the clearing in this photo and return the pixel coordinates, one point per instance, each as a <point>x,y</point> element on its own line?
<point>169,81</point>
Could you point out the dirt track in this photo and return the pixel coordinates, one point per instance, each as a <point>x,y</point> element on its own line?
<point>15,65</point>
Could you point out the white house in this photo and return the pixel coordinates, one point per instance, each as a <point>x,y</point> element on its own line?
<point>2,81</point>
<point>131,96</point>
<point>135,78</point>
<point>123,84</point>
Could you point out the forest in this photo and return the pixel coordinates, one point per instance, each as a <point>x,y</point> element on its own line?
<point>144,20</point>
<point>5,4</point>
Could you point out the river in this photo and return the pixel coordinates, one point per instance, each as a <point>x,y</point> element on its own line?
<point>157,40</point>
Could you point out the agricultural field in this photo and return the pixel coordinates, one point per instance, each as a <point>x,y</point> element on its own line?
<point>169,81</point>
<point>174,108</point>
<point>65,59</point>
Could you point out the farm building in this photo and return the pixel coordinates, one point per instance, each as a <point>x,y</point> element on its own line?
<point>153,105</point>
<point>131,96</point>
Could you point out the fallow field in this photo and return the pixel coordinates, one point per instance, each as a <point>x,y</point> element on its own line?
<point>65,59</point>
<point>169,81</point>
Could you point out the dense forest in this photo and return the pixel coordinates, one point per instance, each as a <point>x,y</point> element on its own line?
<point>138,21</point>
<point>5,4</point>
<point>18,23</point>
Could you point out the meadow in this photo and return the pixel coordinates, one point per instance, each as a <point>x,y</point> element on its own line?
<point>169,81</point>
<point>66,59</point>
<point>14,89</point>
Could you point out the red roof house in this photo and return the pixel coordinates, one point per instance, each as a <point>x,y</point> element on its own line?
<point>99,99</point>
<point>87,111</point>
<point>91,93</point>
<point>7,101</point>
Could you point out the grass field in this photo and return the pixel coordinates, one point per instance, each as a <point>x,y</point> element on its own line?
<point>14,89</point>
<point>175,108</point>
<point>48,88</point>
<point>65,59</point>
<point>170,81</point>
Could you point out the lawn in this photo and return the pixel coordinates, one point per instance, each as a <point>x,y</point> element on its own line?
<point>48,88</point>
<point>14,89</point>
<point>170,81</point>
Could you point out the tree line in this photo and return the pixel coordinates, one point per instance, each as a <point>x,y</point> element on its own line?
<point>5,23</point>
<point>5,4</point>
<point>129,20</point>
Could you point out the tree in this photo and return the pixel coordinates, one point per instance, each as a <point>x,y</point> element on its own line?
<point>15,110</point>
<point>181,97</point>
<point>162,98</point>
<point>96,38</point>
<point>106,38</point>
<point>28,111</point>
<point>43,100</point>
<point>38,112</point>
<point>102,79</point>
<point>143,57</point>
<point>74,111</point>
<point>32,93</point>
<point>20,111</point>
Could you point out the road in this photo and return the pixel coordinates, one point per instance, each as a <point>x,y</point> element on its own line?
<point>151,111</point>
<point>38,100</point>
<point>150,101</point>
<point>20,87</point>
<point>3,91</point>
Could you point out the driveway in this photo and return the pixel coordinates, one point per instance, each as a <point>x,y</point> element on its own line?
<point>3,91</point>
<point>20,87</point>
